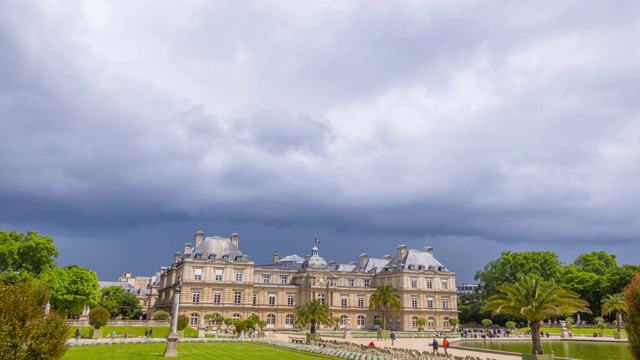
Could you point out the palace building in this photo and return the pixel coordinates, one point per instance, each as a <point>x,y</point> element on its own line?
<point>217,278</point>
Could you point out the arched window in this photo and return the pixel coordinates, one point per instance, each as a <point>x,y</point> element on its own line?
<point>360,320</point>
<point>343,320</point>
<point>271,320</point>
<point>414,321</point>
<point>321,297</point>
<point>445,323</point>
<point>194,319</point>
<point>288,320</point>
<point>237,316</point>
<point>431,322</point>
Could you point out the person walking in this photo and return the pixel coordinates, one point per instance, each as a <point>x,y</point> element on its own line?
<point>445,345</point>
<point>393,337</point>
<point>77,334</point>
<point>150,333</point>
<point>435,346</point>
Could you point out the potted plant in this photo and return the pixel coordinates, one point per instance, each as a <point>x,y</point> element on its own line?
<point>385,298</point>
<point>183,322</point>
<point>615,304</point>
<point>454,323</point>
<point>421,322</point>
<point>313,312</point>
<point>98,317</point>
<point>261,325</point>
<point>600,324</point>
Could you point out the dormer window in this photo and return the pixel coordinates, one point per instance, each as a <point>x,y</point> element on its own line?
<point>420,267</point>
<point>225,257</point>
<point>239,258</point>
<point>212,256</point>
<point>198,256</point>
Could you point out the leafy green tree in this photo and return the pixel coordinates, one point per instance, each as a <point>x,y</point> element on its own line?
<point>241,326</point>
<point>454,322</point>
<point>534,299</point>
<point>510,325</point>
<point>72,287</point>
<point>487,322</point>
<point>161,315</point>
<point>385,298</point>
<point>26,332</point>
<point>99,317</point>
<point>262,324</point>
<point>183,322</point>
<point>469,306</point>
<point>600,324</point>
<point>510,265</point>
<point>614,304</point>
<point>632,319</point>
<point>229,321</point>
<point>312,313</point>
<point>421,322</point>
<point>25,256</point>
<point>119,302</point>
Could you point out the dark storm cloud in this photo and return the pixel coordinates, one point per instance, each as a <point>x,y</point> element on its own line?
<point>471,127</point>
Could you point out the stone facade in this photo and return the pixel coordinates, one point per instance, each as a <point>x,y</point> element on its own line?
<point>217,278</point>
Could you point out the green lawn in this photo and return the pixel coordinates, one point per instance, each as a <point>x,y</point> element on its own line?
<point>200,351</point>
<point>134,331</point>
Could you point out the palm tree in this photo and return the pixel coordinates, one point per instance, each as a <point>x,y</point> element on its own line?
<point>614,303</point>
<point>386,298</point>
<point>313,312</point>
<point>535,300</point>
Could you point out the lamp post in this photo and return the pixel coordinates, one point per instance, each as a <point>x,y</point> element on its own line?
<point>172,339</point>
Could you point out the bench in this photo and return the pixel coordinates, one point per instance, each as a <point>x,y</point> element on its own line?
<point>297,339</point>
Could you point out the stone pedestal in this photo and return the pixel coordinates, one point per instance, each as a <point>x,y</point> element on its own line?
<point>172,346</point>
<point>201,332</point>
<point>564,333</point>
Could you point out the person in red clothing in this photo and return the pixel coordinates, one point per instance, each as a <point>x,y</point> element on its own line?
<point>371,344</point>
<point>445,345</point>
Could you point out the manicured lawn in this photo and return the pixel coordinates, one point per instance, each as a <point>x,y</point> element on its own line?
<point>134,331</point>
<point>200,351</point>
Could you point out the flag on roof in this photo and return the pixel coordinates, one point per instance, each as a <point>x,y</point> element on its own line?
<point>317,241</point>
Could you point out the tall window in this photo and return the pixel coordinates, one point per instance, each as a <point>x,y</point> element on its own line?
<point>352,282</point>
<point>216,297</point>
<point>321,297</point>
<point>290,300</point>
<point>194,319</point>
<point>197,274</point>
<point>445,322</point>
<point>266,278</point>
<point>272,299</point>
<point>239,276</point>
<point>360,301</point>
<point>344,301</point>
<point>283,279</point>
<point>288,320</point>
<point>237,297</point>
<point>271,320</point>
<point>366,283</point>
<point>445,303</point>
<point>444,284</point>
<point>429,284</point>
<point>196,296</point>
<point>430,302</point>
<point>414,283</point>
<point>414,302</point>
<point>254,300</point>
<point>360,320</point>
<point>218,275</point>
<point>237,316</point>
<point>344,320</point>
<point>431,322</point>
<point>414,321</point>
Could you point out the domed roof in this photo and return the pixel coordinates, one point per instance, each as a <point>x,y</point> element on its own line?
<point>315,261</point>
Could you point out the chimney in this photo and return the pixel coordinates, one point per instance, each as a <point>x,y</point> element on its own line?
<point>275,257</point>
<point>332,264</point>
<point>363,260</point>
<point>402,252</point>
<point>177,257</point>
<point>199,238</point>
<point>387,258</point>
<point>187,248</point>
<point>429,250</point>
<point>235,238</point>
<point>307,257</point>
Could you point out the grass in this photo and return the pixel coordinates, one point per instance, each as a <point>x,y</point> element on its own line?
<point>133,331</point>
<point>201,351</point>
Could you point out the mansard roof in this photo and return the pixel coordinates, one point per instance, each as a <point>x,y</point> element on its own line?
<point>216,247</point>
<point>417,260</point>
<point>373,265</point>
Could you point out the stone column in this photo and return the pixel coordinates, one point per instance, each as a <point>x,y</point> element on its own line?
<point>172,339</point>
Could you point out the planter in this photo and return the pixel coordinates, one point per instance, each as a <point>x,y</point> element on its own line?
<point>95,333</point>
<point>383,334</point>
<point>538,357</point>
<point>180,333</point>
<point>619,335</point>
<point>420,329</point>
<point>314,337</point>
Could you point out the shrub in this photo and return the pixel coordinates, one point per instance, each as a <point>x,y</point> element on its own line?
<point>25,331</point>
<point>632,319</point>
<point>241,326</point>
<point>99,317</point>
<point>183,322</point>
<point>160,315</point>
<point>510,325</point>
<point>454,322</point>
<point>487,322</point>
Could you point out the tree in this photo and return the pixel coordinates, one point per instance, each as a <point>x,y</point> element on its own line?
<point>510,325</point>
<point>632,320</point>
<point>614,304</point>
<point>25,256</point>
<point>312,313</point>
<point>421,322</point>
<point>469,306</point>
<point>72,287</point>
<point>534,299</point>
<point>487,322</point>
<point>454,322</point>
<point>510,265</point>
<point>98,317</point>
<point>26,332</point>
<point>385,298</point>
<point>119,302</point>
<point>161,315</point>
<point>183,322</point>
<point>600,324</point>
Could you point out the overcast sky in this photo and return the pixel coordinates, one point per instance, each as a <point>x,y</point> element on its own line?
<point>474,127</point>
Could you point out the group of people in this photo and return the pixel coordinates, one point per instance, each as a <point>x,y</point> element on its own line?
<point>434,343</point>
<point>148,333</point>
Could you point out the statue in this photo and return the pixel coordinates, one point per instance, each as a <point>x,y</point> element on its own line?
<point>179,282</point>
<point>47,308</point>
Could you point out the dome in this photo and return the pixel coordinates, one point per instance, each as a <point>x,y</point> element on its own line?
<point>315,261</point>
